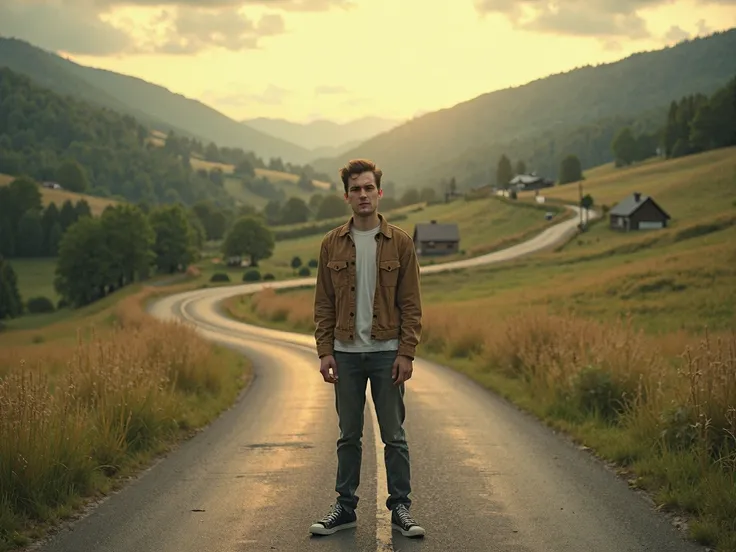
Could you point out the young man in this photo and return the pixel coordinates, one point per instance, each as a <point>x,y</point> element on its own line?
<point>368,315</point>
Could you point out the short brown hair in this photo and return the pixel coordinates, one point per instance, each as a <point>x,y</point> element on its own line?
<point>358,166</point>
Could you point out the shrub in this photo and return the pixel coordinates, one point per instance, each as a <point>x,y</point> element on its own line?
<point>304,271</point>
<point>313,263</point>
<point>252,275</point>
<point>596,392</point>
<point>219,277</point>
<point>37,305</point>
<point>268,276</point>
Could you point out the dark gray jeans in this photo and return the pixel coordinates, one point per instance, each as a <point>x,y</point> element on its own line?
<point>354,370</point>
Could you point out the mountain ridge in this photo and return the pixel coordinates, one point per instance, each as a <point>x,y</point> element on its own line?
<point>151,103</point>
<point>420,151</point>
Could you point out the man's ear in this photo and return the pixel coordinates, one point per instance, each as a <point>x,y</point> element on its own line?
<point>380,192</point>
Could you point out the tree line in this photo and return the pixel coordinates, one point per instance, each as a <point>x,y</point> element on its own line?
<point>29,230</point>
<point>693,124</point>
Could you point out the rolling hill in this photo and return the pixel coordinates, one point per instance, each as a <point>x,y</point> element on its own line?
<point>149,103</point>
<point>540,122</point>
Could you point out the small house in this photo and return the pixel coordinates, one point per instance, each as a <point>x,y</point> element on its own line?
<point>638,212</point>
<point>433,238</point>
<point>523,182</point>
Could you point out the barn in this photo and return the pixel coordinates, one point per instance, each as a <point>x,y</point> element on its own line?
<point>638,212</point>
<point>433,238</point>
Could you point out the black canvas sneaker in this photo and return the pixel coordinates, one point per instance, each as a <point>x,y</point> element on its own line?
<point>338,518</point>
<point>402,521</point>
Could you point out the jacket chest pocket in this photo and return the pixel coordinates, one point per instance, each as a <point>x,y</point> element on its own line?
<point>339,273</point>
<point>388,273</point>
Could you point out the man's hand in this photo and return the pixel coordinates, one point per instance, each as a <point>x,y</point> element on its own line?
<point>327,362</point>
<point>402,369</point>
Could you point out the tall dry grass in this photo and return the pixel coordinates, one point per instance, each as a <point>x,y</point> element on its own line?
<point>72,416</point>
<point>664,405</point>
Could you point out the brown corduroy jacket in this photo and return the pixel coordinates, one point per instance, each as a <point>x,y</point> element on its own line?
<point>397,308</point>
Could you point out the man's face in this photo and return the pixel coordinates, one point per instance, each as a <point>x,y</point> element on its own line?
<point>363,194</point>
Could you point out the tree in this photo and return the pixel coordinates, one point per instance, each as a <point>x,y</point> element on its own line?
<point>72,176</point>
<point>249,237</point>
<point>83,209</point>
<point>332,206</point>
<point>68,215</point>
<point>430,194</point>
<point>504,172</point>
<point>295,210</point>
<point>272,211</point>
<point>245,168</point>
<point>49,219</point>
<point>305,183</point>
<point>174,245</point>
<point>129,238</point>
<point>410,197</point>
<point>29,238</point>
<point>570,170</point>
<point>296,262</point>
<point>520,167</point>
<point>624,147</point>
<point>11,304</point>
<point>83,266</point>
<point>314,202</point>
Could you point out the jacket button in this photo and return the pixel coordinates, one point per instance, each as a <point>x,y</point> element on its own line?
<point>373,337</point>
<point>352,314</point>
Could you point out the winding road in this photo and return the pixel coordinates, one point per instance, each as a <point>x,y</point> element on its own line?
<point>486,477</point>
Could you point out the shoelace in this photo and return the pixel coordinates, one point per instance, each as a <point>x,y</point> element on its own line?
<point>404,515</point>
<point>333,515</point>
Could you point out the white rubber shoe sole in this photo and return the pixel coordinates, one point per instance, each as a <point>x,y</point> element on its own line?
<point>415,531</point>
<point>319,529</point>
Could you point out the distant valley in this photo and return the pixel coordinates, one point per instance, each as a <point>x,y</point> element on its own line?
<point>324,138</point>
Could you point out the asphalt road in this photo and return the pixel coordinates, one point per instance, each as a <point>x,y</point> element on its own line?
<point>486,477</point>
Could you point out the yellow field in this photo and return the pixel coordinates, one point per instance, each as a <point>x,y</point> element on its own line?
<point>683,187</point>
<point>594,338</point>
<point>96,204</point>
<point>91,400</point>
<point>271,176</point>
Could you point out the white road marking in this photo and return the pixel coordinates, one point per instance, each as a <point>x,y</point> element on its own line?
<point>384,541</point>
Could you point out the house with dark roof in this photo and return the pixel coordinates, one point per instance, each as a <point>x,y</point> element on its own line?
<point>433,238</point>
<point>638,212</point>
<point>523,182</point>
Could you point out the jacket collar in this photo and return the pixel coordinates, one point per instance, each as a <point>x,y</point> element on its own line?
<point>385,228</point>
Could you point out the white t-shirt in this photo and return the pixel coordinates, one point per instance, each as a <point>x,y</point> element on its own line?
<point>365,289</point>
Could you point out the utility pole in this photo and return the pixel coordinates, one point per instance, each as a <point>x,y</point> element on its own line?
<point>580,202</point>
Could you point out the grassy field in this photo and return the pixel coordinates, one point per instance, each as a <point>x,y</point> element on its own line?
<point>626,342</point>
<point>93,398</point>
<point>36,278</point>
<point>96,204</point>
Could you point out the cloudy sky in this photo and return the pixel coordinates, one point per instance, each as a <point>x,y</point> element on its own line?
<point>343,59</point>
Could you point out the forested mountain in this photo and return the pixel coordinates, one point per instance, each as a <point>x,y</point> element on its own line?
<point>90,149</point>
<point>149,103</point>
<point>577,112</point>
